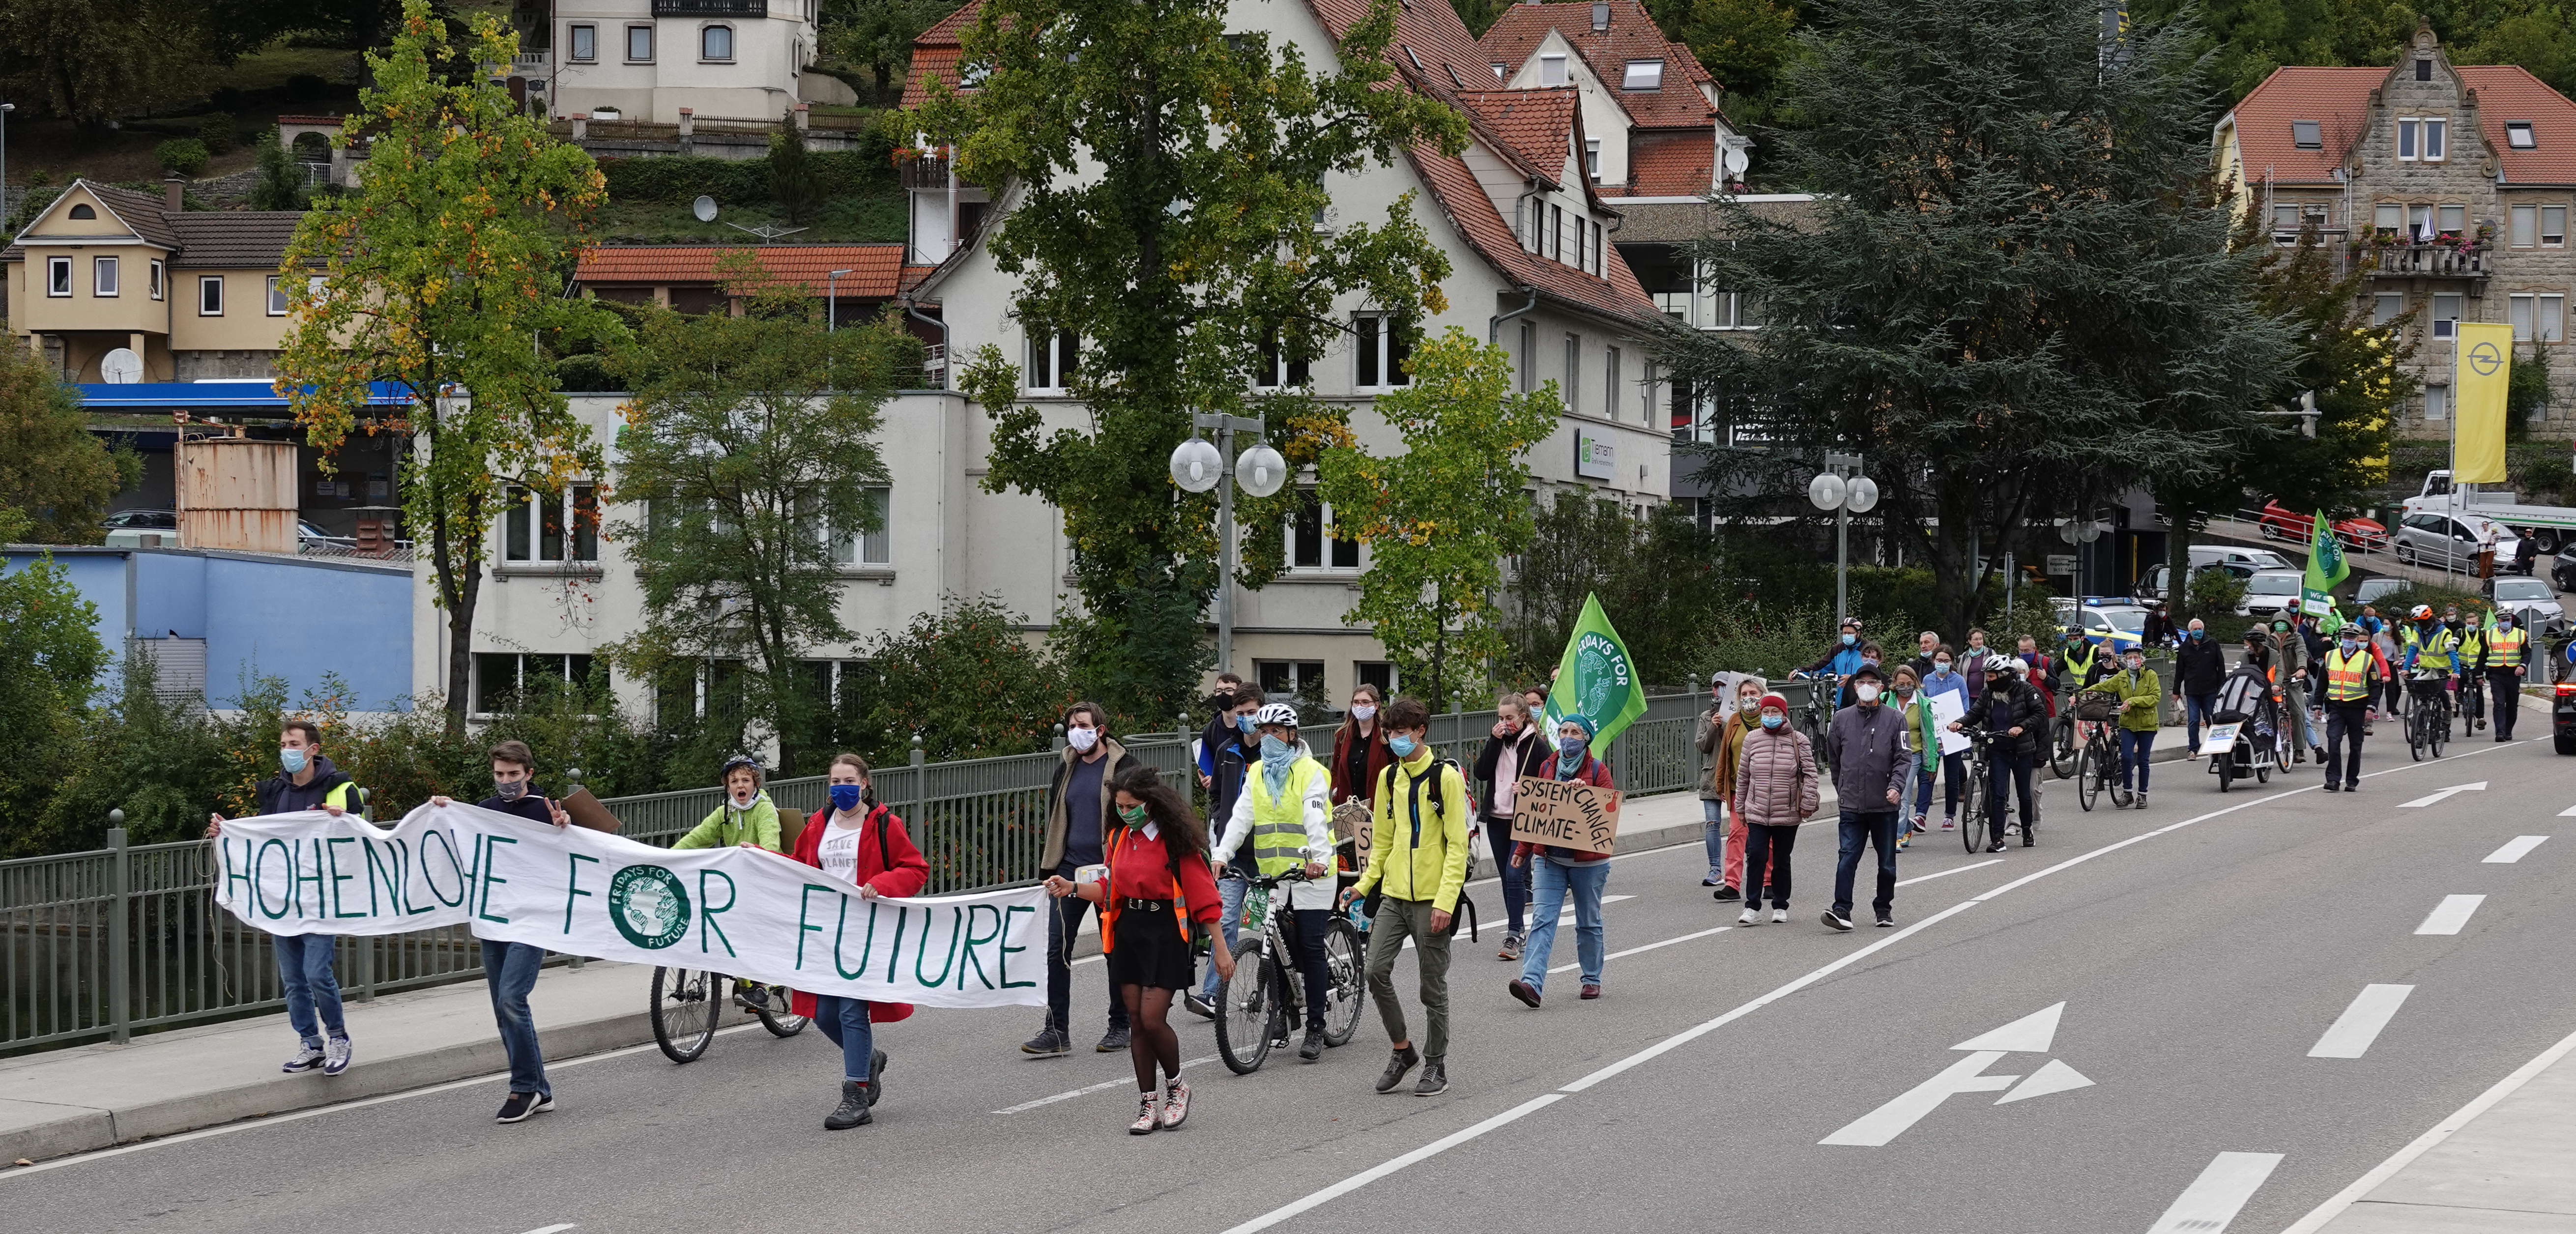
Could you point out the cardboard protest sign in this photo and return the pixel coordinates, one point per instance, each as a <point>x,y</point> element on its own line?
<point>586,811</point>
<point>1565,814</point>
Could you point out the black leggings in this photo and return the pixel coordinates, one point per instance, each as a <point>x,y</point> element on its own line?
<point>1767,847</point>
<point>1150,1038</point>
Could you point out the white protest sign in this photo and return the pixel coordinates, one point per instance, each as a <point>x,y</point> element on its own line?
<point>1948,709</point>
<point>2218,739</point>
<point>748,913</point>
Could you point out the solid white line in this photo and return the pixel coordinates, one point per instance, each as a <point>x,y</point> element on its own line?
<point>2360,1024</point>
<point>1186,1064</point>
<point>1567,968</point>
<point>2213,1199</point>
<point>1925,878</point>
<point>2514,850</point>
<point>1365,1177</point>
<point>2569,812</point>
<point>2333,1207</point>
<point>554,1229</point>
<point>2450,915</point>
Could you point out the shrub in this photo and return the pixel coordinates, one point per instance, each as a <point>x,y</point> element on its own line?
<point>281,182</point>
<point>216,131</point>
<point>184,155</point>
<point>676,180</point>
<point>793,183</point>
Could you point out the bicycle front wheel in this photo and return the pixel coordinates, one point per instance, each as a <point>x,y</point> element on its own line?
<point>2063,758</point>
<point>2088,778</point>
<point>1972,809</point>
<point>1346,981</point>
<point>1248,1007</point>
<point>687,1002</point>
<point>2415,736</point>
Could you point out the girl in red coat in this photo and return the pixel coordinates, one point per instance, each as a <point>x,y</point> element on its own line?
<point>857,840</point>
<point>1158,880</point>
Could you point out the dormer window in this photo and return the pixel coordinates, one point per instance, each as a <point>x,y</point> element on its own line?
<point>1551,70</point>
<point>1643,75</point>
<point>2517,134</point>
<point>1592,158</point>
<point>83,211</point>
<point>1501,70</point>
<point>2307,135</point>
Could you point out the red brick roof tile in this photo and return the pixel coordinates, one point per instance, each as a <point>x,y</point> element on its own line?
<point>1533,125</point>
<point>876,271</point>
<point>1632,35</point>
<point>2338,99</point>
<point>1455,190</point>
<point>1670,164</point>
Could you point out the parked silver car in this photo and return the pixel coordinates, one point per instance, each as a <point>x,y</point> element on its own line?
<point>2451,541</point>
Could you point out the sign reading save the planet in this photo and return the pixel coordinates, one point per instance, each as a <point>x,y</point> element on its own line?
<point>1565,814</point>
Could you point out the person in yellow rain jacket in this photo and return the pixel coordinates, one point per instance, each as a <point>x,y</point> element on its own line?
<point>1417,866</point>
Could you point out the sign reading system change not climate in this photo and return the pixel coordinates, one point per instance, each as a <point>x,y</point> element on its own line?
<point>745,912</point>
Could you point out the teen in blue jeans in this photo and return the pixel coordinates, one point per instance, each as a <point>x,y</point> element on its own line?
<point>1550,880</point>
<point>304,964</point>
<point>510,971</point>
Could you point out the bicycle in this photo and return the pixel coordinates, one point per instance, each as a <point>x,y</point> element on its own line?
<point>689,1002</point>
<point>1815,714</point>
<point>2472,706</point>
<point>2097,764</point>
<point>1264,999</point>
<point>2428,719</point>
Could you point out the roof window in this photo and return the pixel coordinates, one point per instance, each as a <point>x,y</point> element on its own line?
<point>1644,75</point>
<point>1551,70</point>
<point>1417,60</point>
<point>2518,135</point>
<point>1501,70</point>
<point>2307,135</point>
<point>1454,79</point>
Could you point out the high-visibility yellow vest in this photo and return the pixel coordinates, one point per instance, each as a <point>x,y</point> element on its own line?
<point>2471,647</point>
<point>1279,823</point>
<point>2083,668</point>
<point>2504,648</point>
<point>2347,676</point>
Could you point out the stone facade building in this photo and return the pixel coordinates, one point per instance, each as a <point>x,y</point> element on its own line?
<point>2450,185</point>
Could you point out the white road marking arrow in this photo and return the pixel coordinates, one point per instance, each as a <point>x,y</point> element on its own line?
<point>2029,1034</point>
<point>1876,1128</point>
<point>2056,1077</point>
<point>2439,797</point>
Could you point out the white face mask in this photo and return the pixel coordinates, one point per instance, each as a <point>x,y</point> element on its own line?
<point>1749,705</point>
<point>1363,711</point>
<point>1865,692</point>
<point>1082,739</point>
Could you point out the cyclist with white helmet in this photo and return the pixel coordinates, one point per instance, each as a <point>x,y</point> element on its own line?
<point>1285,813</point>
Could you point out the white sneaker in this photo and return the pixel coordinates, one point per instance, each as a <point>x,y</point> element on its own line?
<point>307,1057</point>
<point>335,1056</point>
<point>1779,916</point>
<point>1752,916</point>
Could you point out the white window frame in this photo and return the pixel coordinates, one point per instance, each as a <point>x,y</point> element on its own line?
<point>159,275</point>
<point>1573,382</point>
<point>2446,327</point>
<point>2519,135</point>
<point>2437,403</point>
<point>1328,549</point>
<point>1600,253</point>
<point>2518,314</point>
<point>1046,358</point>
<point>58,277</point>
<point>1610,383</point>
<point>206,283</point>
<point>647,32</point>
<point>105,277</point>
<point>866,550</point>
<point>1274,369</point>
<point>1592,158</point>
<point>2409,138</point>
<point>2437,143</point>
<point>1502,71</point>
<point>1375,344</point>
<point>2387,306</point>
<point>2442,220</point>
<point>2553,216</point>
<point>2522,228</point>
<point>573,39</point>
<point>519,518</point>
<point>707,31</point>
<point>1643,75</point>
<point>276,297</point>
<point>2549,321</point>
<point>2389,217</point>
<point>1552,71</point>
<point>1525,371</point>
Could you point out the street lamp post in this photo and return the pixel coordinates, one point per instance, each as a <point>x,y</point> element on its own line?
<point>832,300</point>
<point>1842,489</point>
<point>1199,465</point>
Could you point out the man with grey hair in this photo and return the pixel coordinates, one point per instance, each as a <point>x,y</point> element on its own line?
<point>2198,668</point>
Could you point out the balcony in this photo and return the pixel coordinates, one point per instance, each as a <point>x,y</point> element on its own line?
<point>2436,260</point>
<point>928,171</point>
<point>711,8</point>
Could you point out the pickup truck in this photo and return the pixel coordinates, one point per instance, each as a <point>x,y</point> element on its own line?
<point>2553,526</point>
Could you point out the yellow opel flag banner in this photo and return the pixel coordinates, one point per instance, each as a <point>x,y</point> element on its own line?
<point>2486,359</point>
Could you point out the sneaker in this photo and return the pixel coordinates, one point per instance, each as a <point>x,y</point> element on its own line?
<point>1199,1007</point>
<point>1434,1081</point>
<point>1905,841</point>
<point>876,1077</point>
<point>1512,944</point>
<point>1752,916</point>
<point>1712,881</point>
<point>1396,1066</point>
<point>1839,925</point>
<point>2029,837</point>
<point>1591,989</point>
<point>1996,847</point>
<point>853,1110</point>
<point>1049,1041</point>
<point>1313,1047</point>
<point>1147,1117</point>
<point>1917,826</point>
<point>520,1106</point>
<point>2142,801</point>
<point>335,1056</point>
<point>751,997</point>
<point>1524,991</point>
<point>1949,824</point>
<point>1176,1104</point>
<point>1886,922</point>
<point>307,1057</point>
<point>1113,1041</point>
<point>1726,895</point>
<point>1779,916</point>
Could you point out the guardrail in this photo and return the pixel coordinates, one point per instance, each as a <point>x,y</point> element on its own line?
<point>104,944</point>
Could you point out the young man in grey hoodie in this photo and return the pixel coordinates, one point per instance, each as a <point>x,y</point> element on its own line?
<point>1867,744</point>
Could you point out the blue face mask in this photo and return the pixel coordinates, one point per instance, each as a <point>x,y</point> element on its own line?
<point>1850,639</point>
<point>2195,635</point>
<point>1941,666</point>
<point>292,759</point>
<point>2350,645</point>
<point>1772,719</point>
<point>846,797</point>
<point>1243,724</point>
<point>1400,746</point>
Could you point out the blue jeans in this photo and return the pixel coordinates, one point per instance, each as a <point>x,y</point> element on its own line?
<point>2196,708</point>
<point>304,964</point>
<point>1858,829</point>
<point>1713,813</point>
<point>1514,879</point>
<point>1549,881</point>
<point>845,1023</point>
<point>1954,771</point>
<point>510,970</point>
<point>2134,747</point>
<point>1229,894</point>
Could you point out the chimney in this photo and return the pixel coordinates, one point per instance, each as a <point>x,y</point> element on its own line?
<point>174,193</point>
<point>1600,16</point>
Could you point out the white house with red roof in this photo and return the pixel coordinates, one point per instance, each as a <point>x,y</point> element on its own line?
<point>2451,184</point>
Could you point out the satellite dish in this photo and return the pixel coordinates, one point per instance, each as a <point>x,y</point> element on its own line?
<point>120,367</point>
<point>1735,161</point>
<point>704,207</point>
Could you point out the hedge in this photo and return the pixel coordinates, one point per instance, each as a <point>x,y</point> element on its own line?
<point>676,180</point>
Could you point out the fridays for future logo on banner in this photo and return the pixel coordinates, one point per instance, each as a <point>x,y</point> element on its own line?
<point>745,912</point>
<point>1595,679</point>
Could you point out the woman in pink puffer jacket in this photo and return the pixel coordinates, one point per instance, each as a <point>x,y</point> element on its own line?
<point>1776,788</point>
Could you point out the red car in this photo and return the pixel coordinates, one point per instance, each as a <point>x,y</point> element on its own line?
<point>2359,534</point>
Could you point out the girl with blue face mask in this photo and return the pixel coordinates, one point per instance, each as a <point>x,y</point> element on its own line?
<point>1557,874</point>
<point>857,840</point>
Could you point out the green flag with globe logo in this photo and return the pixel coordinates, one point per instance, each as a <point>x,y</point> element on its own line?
<point>2326,567</point>
<point>1596,679</point>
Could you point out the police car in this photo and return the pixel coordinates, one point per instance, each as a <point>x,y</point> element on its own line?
<point>2113,622</point>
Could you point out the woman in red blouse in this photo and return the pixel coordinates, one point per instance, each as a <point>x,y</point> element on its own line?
<point>1158,882</point>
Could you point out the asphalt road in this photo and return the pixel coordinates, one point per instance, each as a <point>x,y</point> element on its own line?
<point>2196,954</point>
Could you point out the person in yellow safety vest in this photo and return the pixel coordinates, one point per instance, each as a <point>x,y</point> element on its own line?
<point>1285,813</point>
<point>2350,670</point>
<point>2507,659</point>
<point>307,781</point>
<point>2470,647</point>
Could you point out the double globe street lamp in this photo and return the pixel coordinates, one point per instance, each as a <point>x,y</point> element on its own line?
<point>1841,489</point>
<point>1199,465</point>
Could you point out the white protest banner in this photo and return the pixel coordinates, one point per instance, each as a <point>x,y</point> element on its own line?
<point>1948,709</point>
<point>1565,814</point>
<point>744,912</point>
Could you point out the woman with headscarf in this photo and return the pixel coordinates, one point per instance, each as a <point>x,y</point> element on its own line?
<point>1554,871</point>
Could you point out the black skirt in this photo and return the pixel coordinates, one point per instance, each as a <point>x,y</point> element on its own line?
<point>1151,951</point>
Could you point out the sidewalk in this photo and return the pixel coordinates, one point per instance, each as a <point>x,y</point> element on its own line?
<point>95,1096</point>
<point>2505,1172</point>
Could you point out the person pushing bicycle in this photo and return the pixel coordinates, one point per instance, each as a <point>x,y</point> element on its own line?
<point>1285,813</point>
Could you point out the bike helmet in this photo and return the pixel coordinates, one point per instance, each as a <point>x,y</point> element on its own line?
<point>1280,714</point>
<point>758,774</point>
<point>2423,612</point>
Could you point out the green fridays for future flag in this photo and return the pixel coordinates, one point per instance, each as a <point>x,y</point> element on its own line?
<point>2326,567</point>
<point>1596,679</point>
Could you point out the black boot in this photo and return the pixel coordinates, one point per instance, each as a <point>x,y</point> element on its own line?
<point>1396,1066</point>
<point>853,1111</point>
